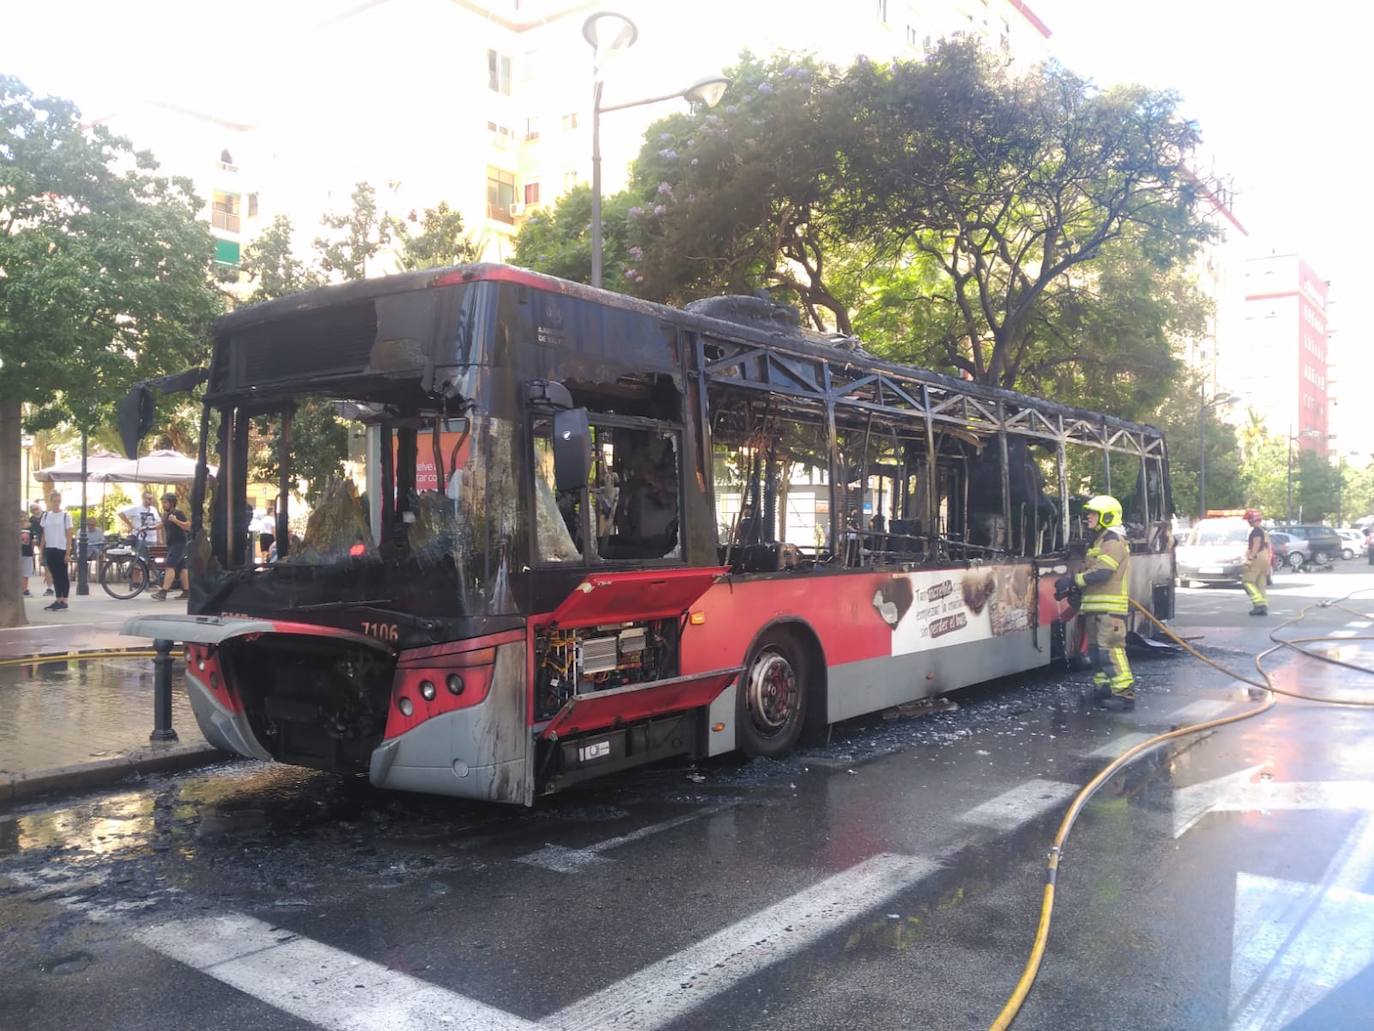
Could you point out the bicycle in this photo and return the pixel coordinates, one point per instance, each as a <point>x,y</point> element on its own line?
<point>124,573</point>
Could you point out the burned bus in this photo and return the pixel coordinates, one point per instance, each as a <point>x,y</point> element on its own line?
<point>587,532</point>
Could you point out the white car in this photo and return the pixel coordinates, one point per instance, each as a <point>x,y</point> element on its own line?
<point>1213,552</point>
<point>1352,542</point>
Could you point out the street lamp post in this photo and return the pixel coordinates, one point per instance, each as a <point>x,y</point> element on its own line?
<point>1204,403</point>
<point>610,34</point>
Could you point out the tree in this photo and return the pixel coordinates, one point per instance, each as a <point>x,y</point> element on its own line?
<point>356,236</point>
<point>1315,487</point>
<point>559,242</point>
<point>1179,418</point>
<point>272,262</point>
<point>105,279</point>
<point>440,240</point>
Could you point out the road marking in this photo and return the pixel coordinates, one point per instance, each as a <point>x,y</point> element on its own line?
<point>1021,804</point>
<point>1342,633</point>
<point>562,859</point>
<point>1200,711</point>
<point>317,983</point>
<point>664,991</point>
<point>1360,624</point>
<point>1294,943</point>
<point>1242,792</point>
<point>1118,745</point>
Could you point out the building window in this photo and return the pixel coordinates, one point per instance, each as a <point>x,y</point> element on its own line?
<point>503,131</point>
<point>570,122</point>
<point>224,213</point>
<point>500,194</point>
<point>498,72</point>
<point>252,205</point>
<point>531,193</point>
<point>531,128</point>
<point>569,180</point>
<point>913,38</point>
<point>226,161</point>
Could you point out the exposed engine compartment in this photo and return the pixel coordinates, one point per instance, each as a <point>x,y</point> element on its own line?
<point>312,701</point>
<point>570,662</point>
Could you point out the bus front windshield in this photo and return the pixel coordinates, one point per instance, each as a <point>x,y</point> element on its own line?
<point>425,522</point>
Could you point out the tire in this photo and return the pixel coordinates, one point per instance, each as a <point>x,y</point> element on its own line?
<point>1347,553</point>
<point>124,578</point>
<point>770,704</point>
<point>1296,560</point>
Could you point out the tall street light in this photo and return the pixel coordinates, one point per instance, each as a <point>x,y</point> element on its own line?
<point>1204,403</point>
<point>610,34</point>
<point>1304,435</point>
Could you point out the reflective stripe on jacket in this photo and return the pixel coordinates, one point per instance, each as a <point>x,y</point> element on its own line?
<point>1110,552</point>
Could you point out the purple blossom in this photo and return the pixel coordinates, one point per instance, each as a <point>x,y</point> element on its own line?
<point>668,154</point>
<point>630,273</point>
<point>636,211</point>
<point>660,210</point>
<point>664,137</point>
<point>732,109</point>
<point>765,87</point>
<point>636,253</point>
<point>666,189</point>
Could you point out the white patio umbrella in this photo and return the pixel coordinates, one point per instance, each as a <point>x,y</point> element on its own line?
<point>98,463</point>
<point>166,467</point>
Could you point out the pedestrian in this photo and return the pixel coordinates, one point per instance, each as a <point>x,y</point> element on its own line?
<point>144,522</point>
<point>267,527</point>
<point>174,527</point>
<point>57,542</point>
<point>30,532</point>
<point>1105,582</point>
<point>1259,559</point>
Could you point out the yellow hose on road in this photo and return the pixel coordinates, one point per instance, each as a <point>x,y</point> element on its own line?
<point>1023,986</point>
<point>37,660</point>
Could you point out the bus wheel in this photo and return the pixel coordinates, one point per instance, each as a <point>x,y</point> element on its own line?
<point>770,705</point>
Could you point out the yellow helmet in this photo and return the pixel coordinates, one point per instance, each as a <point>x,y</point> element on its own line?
<point>1108,510</point>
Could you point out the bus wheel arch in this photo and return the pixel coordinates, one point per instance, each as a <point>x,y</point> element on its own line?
<point>780,698</point>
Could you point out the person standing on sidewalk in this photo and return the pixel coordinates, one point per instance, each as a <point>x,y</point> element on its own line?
<point>57,541</point>
<point>143,522</point>
<point>174,528</point>
<point>1258,564</point>
<point>30,530</point>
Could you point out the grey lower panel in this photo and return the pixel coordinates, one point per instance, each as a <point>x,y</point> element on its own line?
<point>722,710</point>
<point>862,687</point>
<point>220,727</point>
<point>482,752</point>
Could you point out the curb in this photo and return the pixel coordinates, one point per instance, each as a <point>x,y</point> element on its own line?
<point>18,787</point>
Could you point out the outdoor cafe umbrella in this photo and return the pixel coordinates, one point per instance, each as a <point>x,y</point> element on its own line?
<point>98,463</point>
<point>165,467</point>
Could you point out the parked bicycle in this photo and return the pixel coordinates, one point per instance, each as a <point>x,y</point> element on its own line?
<point>124,573</point>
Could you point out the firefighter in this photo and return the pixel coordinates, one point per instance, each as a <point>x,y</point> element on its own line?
<point>1105,583</point>
<point>1259,559</point>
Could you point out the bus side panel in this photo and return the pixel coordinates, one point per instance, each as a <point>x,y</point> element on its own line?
<point>480,752</point>
<point>887,637</point>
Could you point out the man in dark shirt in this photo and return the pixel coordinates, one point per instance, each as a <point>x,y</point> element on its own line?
<point>174,529</point>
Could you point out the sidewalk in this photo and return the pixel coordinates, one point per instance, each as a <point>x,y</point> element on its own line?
<point>82,724</point>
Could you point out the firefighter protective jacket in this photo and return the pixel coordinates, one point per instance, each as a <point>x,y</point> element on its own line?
<point>1106,577</point>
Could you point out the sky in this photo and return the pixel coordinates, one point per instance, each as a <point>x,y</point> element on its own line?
<point>1277,87</point>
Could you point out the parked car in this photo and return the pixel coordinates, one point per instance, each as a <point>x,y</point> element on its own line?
<point>1278,549</point>
<point>1310,543</point>
<point>1352,542</point>
<point>1213,551</point>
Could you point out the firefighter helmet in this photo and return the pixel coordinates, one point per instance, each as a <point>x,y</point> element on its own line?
<point>1108,510</point>
<point>1252,514</point>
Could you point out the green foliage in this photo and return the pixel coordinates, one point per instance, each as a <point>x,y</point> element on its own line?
<point>355,236</point>
<point>1315,487</point>
<point>1031,232</point>
<point>271,261</point>
<point>559,241</point>
<point>1179,417</point>
<point>106,511</point>
<point>439,241</point>
<point>105,269</point>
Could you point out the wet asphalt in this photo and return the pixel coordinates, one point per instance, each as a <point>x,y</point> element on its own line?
<point>891,879</point>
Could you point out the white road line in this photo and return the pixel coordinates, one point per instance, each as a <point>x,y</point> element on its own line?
<point>666,990</point>
<point>1117,745</point>
<point>1342,633</point>
<point>317,983</point>
<point>1021,804</point>
<point>1360,624</point>
<point>562,859</point>
<point>1199,712</point>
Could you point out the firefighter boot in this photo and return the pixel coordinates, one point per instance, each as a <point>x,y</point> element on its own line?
<point>1119,701</point>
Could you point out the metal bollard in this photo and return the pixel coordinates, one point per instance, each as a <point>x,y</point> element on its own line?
<point>162,692</point>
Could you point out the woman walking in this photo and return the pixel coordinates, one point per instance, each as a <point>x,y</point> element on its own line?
<point>57,540</point>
